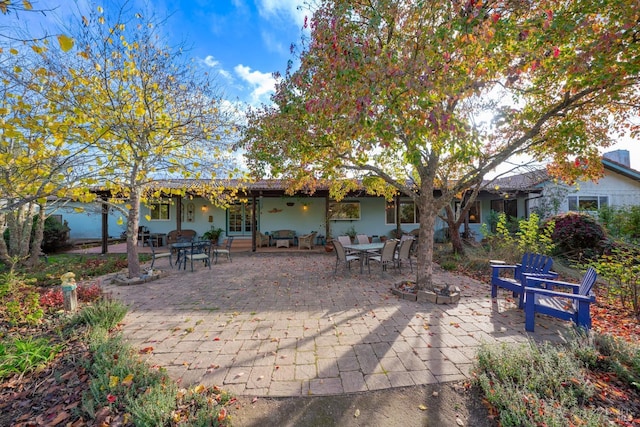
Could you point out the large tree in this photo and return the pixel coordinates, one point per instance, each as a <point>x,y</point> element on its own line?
<point>38,156</point>
<point>417,96</point>
<point>150,110</point>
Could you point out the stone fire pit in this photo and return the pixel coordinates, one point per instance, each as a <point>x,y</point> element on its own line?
<point>441,295</point>
<point>122,279</point>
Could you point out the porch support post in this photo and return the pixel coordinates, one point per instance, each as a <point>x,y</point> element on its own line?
<point>397,208</point>
<point>255,223</point>
<point>327,226</point>
<point>105,224</point>
<point>178,213</point>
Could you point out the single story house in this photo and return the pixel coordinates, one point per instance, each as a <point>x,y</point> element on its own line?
<point>265,207</point>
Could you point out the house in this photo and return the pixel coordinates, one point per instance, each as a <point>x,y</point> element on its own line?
<point>265,207</point>
<point>619,187</point>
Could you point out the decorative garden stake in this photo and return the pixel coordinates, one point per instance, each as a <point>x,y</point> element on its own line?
<point>69,291</point>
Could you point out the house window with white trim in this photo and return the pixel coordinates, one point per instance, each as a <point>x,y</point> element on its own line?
<point>408,213</point>
<point>159,211</point>
<point>587,203</point>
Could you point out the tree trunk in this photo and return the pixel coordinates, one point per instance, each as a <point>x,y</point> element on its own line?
<point>19,223</point>
<point>456,241</point>
<point>454,229</point>
<point>4,251</point>
<point>132,234</point>
<point>424,260</point>
<point>38,235</point>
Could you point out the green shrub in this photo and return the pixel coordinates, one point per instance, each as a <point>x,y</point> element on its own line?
<point>621,222</point>
<point>621,268</point>
<point>533,385</point>
<point>21,355</point>
<point>578,236</point>
<point>631,226</point>
<point>449,265</point>
<point>23,308</point>
<point>104,314</point>
<point>55,235</point>
<point>532,237</point>
<point>85,266</point>
<point>120,380</point>
<point>620,357</point>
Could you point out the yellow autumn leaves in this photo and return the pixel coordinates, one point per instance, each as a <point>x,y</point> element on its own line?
<point>4,5</point>
<point>114,381</point>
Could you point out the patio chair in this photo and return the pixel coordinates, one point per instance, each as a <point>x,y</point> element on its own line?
<point>262,239</point>
<point>536,264</point>
<point>200,251</point>
<point>156,255</point>
<point>386,257</point>
<point>225,250</point>
<point>362,239</point>
<point>345,240</point>
<point>573,306</point>
<point>342,256</point>
<point>306,241</point>
<point>143,235</point>
<point>404,253</point>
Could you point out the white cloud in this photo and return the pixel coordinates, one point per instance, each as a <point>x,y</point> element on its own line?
<point>210,61</point>
<point>287,9</point>
<point>262,83</point>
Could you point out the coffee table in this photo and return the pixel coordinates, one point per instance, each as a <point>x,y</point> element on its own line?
<point>282,243</point>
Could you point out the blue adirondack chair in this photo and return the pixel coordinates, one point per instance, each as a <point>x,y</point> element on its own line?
<point>532,264</point>
<point>540,297</point>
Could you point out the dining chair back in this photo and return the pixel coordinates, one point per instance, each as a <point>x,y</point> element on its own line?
<point>342,256</point>
<point>200,251</point>
<point>345,240</point>
<point>386,257</point>
<point>362,239</point>
<point>225,250</point>
<point>404,253</point>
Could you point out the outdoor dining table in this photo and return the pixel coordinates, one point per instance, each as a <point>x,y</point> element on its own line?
<point>364,249</point>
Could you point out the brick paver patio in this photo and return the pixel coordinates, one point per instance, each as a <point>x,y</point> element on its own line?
<point>282,325</point>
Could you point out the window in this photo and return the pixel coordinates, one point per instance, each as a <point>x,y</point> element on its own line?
<point>159,211</point>
<point>408,213</point>
<point>509,207</point>
<point>347,211</point>
<point>587,203</point>
<point>474,212</point>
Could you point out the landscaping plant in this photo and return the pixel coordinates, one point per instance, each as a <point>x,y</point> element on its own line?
<point>532,385</point>
<point>578,236</point>
<point>621,269</point>
<point>530,236</point>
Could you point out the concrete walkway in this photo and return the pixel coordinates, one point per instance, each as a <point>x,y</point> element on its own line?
<point>282,325</point>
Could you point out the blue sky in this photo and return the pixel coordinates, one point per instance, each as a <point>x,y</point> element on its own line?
<point>244,41</point>
<point>241,41</point>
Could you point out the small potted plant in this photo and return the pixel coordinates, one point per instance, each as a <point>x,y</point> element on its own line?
<point>213,234</point>
<point>351,232</point>
<point>328,246</point>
